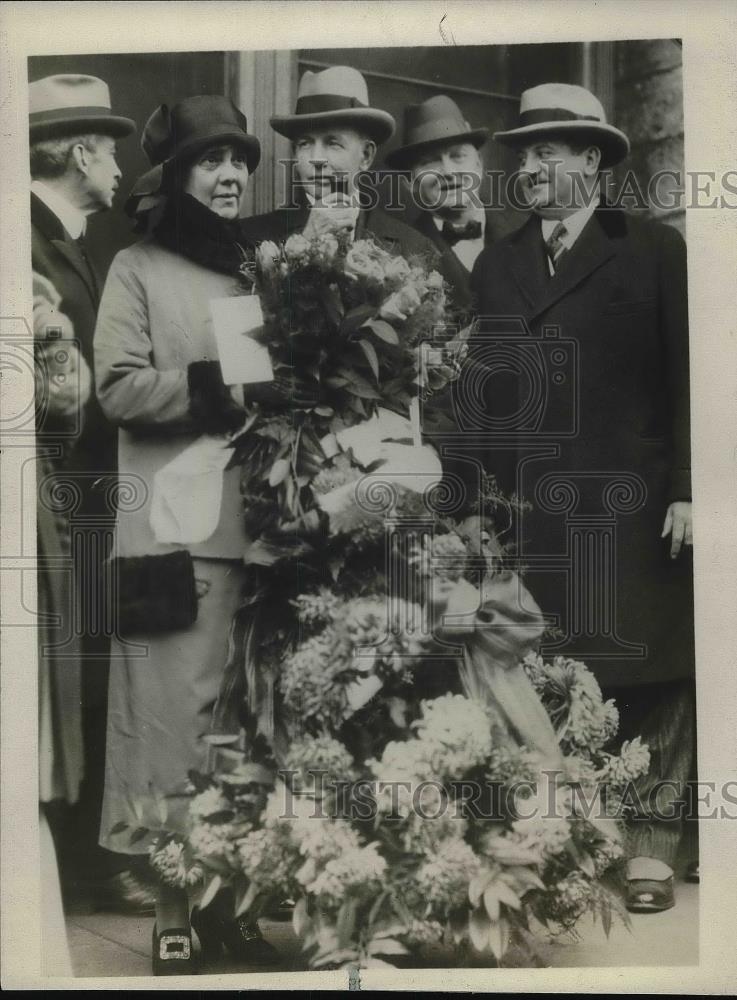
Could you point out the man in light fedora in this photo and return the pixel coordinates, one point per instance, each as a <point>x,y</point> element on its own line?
<point>74,174</point>
<point>604,298</point>
<point>335,134</point>
<point>441,151</point>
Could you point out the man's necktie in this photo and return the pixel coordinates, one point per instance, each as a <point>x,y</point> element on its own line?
<point>554,246</point>
<point>454,234</point>
<point>81,246</point>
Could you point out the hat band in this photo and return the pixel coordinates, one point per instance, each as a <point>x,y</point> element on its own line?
<point>539,116</point>
<point>59,114</point>
<point>315,104</point>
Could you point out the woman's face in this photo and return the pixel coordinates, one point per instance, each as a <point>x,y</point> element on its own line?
<point>218,178</point>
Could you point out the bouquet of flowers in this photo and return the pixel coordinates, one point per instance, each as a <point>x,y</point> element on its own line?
<point>353,324</point>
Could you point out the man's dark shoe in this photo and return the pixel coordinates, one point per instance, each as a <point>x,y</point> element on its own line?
<point>692,872</point>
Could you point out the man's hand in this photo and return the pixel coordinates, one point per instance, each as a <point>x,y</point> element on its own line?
<point>334,214</point>
<point>68,379</point>
<point>679,525</point>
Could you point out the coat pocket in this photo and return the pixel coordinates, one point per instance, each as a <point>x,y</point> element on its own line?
<point>629,306</point>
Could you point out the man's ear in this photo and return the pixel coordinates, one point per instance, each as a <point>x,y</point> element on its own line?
<point>369,154</point>
<point>592,160</point>
<point>81,157</point>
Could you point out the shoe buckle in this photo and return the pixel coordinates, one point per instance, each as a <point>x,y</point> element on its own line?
<point>174,946</point>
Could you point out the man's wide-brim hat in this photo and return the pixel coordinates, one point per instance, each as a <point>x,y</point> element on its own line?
<point>565,109</point>
<point>72,104</point>
<point>436,122</point>
<point>337,95</point>
<point>177,133</point>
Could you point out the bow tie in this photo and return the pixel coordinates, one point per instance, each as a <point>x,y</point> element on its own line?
<point>453,234</point>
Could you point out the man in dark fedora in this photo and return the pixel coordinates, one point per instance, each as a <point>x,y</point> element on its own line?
<point>335,135</point>
<point>74,174</point>
<point>601,435</point>
<point>441,152</point>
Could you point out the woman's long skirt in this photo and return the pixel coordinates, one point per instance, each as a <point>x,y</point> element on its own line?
<point>161,695</point>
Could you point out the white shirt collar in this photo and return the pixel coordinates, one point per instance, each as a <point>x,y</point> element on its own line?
<point>74,221</point>
<point>574,224</point>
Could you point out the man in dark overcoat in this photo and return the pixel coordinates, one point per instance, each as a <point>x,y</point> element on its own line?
<point>587,306</point>
<point>74,174</point>
<point>440,151</point>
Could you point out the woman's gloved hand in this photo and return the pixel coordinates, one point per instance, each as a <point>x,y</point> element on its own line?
<point>288,389</point>
<point>211,404</point>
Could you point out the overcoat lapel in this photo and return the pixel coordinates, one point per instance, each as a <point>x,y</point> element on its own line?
<point>592,249</point>
<point>50,226</point>
<point>73,255</point>
<point>528,264</point>
<point>529,267</point>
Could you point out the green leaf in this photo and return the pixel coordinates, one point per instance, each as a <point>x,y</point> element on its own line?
<point>497,938</point>
<point>586,864</point>
<point>606,919</point>
<point>247,900</point>
<point>373,359</point>
<point>491,902</point>
<point>402,910</point>
<point>263,553</point>
<point>384,331</point>
<point>375,909</point>
<point>386,946</point>
<point>476,888</point>
<point>356,318</point>
<point>279,471</point>
<point>300,917</point>
<point>211,891</point>
<point>336,957</point>
<point>119,827</point>
<point>221,816</point>
<point>138,834</point>
<point>359,387</point>
<point>478,929</point>
<point>333,305</point>
<point>506,895</point>
<point>391,930</point>
<point>138,810</point>
<point>346,922</point>
<point>376,963</point>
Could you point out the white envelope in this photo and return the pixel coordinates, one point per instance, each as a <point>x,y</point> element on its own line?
<point>242,359</point>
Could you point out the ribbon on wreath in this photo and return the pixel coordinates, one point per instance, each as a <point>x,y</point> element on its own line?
<point>244,712</point>
<point>497,624</point>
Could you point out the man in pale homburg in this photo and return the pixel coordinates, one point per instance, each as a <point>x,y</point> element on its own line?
<point>74,174</point>
<point>602,440</point>
<point>335,135</point>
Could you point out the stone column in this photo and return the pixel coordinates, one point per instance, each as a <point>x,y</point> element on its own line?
<point>264,84</point>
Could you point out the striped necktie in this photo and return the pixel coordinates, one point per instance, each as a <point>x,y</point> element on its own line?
<point>554,245</point>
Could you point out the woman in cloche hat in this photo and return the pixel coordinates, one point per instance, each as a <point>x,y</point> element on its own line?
<point>179,579</point>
